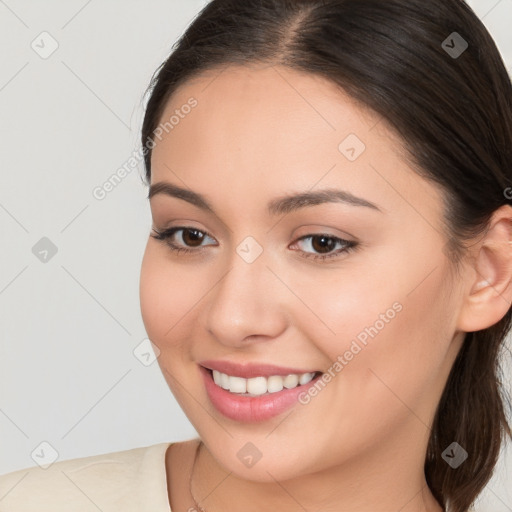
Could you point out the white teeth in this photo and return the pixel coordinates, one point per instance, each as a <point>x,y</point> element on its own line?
<point>305,378</point>
<point>237,385</point>
<point>256,386</point>
<point>224,381</point>
<point>291,381</point>
<point>275,383</point>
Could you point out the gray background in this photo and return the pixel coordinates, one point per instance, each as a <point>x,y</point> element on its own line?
<point>69,326</point>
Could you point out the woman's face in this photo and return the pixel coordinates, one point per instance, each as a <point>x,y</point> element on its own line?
<point>378,315</point>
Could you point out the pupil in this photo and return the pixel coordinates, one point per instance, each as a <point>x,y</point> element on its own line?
<point>323,245</point>
<point>195,237</point>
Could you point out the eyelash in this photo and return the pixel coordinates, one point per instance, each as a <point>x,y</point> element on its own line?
<point>166,235</point>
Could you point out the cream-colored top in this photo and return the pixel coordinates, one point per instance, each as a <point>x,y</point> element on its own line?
<point>127,481</point>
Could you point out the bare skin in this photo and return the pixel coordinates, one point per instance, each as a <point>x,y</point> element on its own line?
<point>258,133</point>
<point>178,461</point>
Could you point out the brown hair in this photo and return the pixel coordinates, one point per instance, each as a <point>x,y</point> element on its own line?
<point>452,107</point>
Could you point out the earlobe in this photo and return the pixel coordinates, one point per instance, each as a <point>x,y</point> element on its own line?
<point>489,295</point>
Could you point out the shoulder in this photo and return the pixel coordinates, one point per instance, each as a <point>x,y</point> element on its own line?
<point>126,480</point>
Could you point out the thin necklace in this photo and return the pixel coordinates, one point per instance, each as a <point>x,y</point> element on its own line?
<point>201,509</point>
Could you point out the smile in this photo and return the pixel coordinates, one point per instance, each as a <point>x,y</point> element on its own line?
<point>258,386</point>
<point>255,398</point>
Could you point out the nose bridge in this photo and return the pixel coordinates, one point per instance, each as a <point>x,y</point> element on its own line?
<point>246,299</point>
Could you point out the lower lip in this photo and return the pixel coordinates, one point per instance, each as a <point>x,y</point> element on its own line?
<point>251,409</point>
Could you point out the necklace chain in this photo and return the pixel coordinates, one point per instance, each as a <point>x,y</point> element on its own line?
<point>199,508</point>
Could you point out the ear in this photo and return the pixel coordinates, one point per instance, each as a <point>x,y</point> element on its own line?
<point>489,288</point>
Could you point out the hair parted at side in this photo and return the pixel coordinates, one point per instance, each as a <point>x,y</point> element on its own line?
<point>454,116</point>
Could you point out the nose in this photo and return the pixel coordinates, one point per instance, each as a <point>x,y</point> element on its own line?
<point>247,304</point>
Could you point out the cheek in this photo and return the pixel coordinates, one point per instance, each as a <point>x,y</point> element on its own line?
<point>395,301</point>
<point>167,295</point>
<point>392,378</point>
<point>396,365</point>
<point>389,329</point>
<point>345,305</point>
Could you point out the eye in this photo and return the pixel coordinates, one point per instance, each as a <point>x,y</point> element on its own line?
<point>325,244</point>
<point>189,235</point>
<point>192,238</point>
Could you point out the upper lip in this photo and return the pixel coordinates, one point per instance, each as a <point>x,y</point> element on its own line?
<point>251,369</point>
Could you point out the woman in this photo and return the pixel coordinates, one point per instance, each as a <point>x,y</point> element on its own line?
<point>329,276</point>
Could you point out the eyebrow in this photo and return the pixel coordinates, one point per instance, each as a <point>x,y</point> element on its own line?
<point>278,206</point>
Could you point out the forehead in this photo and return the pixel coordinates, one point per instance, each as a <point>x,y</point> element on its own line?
<point>270,116</point>
<point>271,129</point>
<point>261,97</point>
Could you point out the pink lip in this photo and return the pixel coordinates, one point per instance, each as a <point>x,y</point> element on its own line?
<point>251,409</point>
<point>251,370</point>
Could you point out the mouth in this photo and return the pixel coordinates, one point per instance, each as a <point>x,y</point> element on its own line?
<point>257,398</point>
<point>260,385</point>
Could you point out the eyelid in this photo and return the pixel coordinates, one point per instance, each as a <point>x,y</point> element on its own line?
<point>318,229</point>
